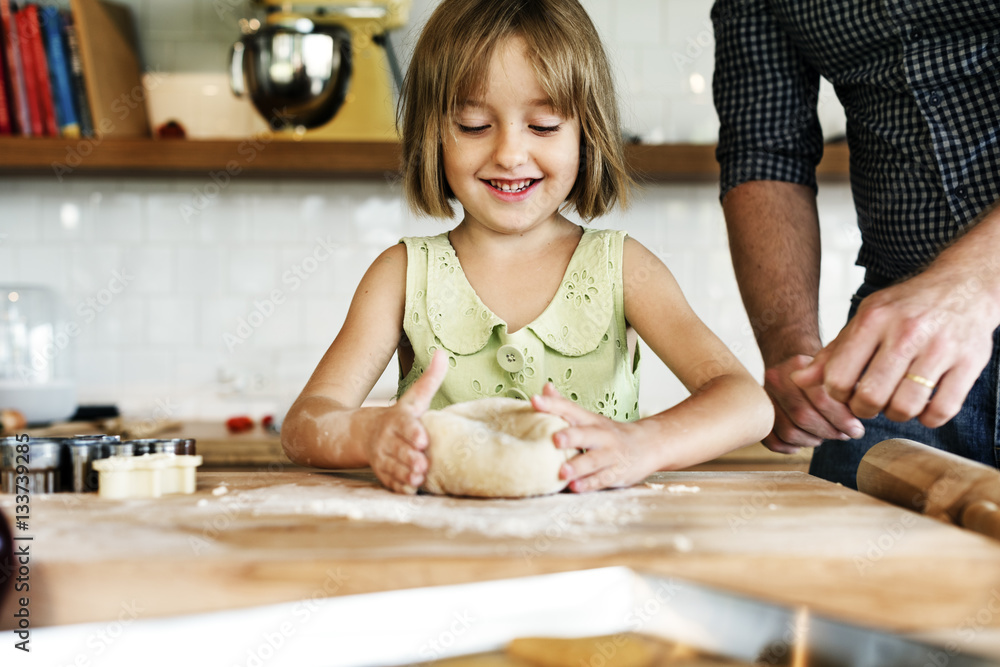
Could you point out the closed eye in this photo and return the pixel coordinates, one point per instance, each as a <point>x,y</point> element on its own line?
<point>477,129</point>
<point>542,129</point>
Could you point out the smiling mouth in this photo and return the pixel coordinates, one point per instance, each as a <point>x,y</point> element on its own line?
<point>511,186</point>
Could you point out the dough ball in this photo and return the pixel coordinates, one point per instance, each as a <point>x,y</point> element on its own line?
<point>493,448</point>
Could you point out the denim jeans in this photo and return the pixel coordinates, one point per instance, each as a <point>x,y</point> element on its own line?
<point>972,433</point>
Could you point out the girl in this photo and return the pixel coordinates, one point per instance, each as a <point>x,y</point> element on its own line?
<point>508,107</point>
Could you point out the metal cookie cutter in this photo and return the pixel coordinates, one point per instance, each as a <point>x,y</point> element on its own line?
<point>78,455</point>
<point>40,465</point>
<point>178,446</point>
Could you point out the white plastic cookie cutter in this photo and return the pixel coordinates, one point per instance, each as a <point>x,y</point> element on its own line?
<point>147,476</point>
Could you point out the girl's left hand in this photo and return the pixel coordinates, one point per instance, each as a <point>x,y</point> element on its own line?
<point>614,455</point>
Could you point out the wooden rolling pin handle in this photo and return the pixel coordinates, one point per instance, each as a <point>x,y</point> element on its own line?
<point>937,483</point>
<point>982,516</point>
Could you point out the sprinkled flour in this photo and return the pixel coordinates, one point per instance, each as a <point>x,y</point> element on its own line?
<point>563,514</point>
<point>218,522</point>
<point>683,488</point>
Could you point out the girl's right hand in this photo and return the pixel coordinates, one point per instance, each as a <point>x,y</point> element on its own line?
<point>395,447</point>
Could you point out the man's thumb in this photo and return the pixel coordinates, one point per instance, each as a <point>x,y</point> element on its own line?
<point>421,392</point>
<point>811,375</point>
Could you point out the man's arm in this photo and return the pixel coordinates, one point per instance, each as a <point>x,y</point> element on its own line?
<point>775,244</point>
<point>770,141</point>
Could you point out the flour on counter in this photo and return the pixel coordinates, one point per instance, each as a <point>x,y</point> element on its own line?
<point>558,515</point>
<point>683,488</point>
<point>211,523</point>
<point>683,543</point>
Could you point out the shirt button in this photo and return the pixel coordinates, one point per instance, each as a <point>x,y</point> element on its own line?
<point>510,358</point>
<point>916,34</point>
<point>961,192</point>
<point>518,394</point>
<point>934,99</point>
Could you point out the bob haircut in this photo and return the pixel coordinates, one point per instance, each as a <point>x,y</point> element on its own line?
<point>450,65</point>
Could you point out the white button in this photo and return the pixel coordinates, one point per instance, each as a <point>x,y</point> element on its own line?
<point>517,393</point>
<point>510,358</point>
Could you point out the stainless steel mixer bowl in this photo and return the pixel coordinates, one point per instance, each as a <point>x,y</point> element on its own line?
<point>294,78</point>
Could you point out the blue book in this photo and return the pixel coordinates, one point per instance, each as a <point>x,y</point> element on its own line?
<point>59,72</point>
<point>82,103</point>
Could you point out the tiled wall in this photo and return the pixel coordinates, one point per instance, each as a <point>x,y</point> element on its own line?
<point>198,264</point>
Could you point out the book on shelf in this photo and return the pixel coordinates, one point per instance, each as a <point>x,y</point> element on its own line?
<point>111,66</point>
<point>5,120</point>
<point>27,51</point>
<point>70,73</point>
<point>81,103</point>
<point>59,73</point>
<point>18,96</point>
<point>39,72</point>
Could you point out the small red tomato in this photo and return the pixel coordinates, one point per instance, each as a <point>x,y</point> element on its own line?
<point>239,424</point>
<point>267,421</point>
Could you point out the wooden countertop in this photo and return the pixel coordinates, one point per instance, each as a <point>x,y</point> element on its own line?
<point>289,535</point>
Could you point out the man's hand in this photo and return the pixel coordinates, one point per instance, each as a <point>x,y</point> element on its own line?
<point>804,417</point>
<point>912,350</point>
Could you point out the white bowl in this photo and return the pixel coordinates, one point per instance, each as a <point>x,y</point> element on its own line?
<point>40,403</point>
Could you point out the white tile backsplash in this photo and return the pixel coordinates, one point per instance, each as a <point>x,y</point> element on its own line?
<point>120,216</point>
<point>637,22</point>
<point>146,269</point>
<point>254,271</point>
<point>201,270</point>
<point>173,321</point>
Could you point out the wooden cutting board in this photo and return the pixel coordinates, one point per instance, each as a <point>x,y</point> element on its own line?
<point>289,535</point>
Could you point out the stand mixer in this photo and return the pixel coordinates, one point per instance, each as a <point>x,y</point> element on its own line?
<point>323,69</point>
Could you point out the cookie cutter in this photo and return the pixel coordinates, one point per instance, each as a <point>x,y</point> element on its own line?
<point>146,476</point>
<point>78,455</point>
<point>40,465</point>
<point>179,446</point>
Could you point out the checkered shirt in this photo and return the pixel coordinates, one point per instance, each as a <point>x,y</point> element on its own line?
<point>920,82</point>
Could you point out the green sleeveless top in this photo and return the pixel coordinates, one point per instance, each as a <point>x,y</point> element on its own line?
<point>578,342</point>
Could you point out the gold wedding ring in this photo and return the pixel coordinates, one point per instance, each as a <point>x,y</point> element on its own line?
<point>921,380</point>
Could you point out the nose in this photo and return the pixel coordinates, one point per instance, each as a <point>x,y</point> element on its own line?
<point>510,150</point>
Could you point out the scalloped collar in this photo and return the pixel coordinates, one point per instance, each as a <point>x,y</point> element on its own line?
<point>573,323</point>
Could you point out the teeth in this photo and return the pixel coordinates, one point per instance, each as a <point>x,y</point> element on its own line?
<point>515,186</point>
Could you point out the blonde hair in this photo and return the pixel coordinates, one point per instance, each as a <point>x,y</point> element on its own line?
<point>450,65</point>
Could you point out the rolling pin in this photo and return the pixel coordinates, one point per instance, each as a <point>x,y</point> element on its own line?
<point>933,482</point>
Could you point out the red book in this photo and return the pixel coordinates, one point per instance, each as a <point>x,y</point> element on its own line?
<point>32,94</point>
<point>43,86</point>
<point>5,124</point>
<point>18,103</point>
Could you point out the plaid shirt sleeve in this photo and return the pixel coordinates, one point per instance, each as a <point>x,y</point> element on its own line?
<point>765,94</point>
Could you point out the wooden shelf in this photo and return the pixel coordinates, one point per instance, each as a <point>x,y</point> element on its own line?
<point>305,159</point>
